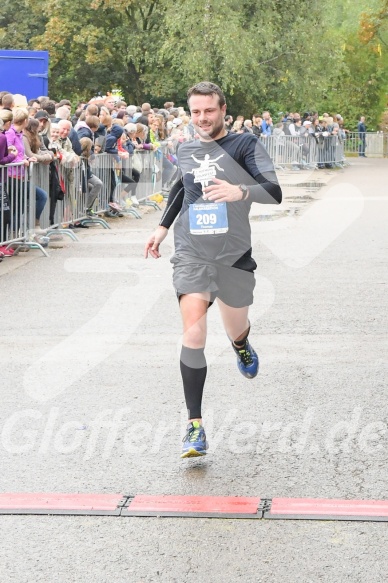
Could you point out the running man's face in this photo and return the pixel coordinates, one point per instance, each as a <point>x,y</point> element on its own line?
<point>207,116</point>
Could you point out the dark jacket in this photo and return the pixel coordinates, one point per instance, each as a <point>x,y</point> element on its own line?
<point>129,147</point>
<point>5,157</point>
<point>101,132</point>
<point>85,132</point>
<point>111,140</point>
<point>73,137</point>
<point>100,137</point>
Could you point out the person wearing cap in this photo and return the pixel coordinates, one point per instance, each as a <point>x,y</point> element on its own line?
<point>44,126</point>
<point>306,127</point>
<point>306,132</point>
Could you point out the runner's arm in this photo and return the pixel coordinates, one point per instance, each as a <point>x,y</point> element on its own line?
<point>267,189</point>
<point>260,167</point>
<point>174,204</point>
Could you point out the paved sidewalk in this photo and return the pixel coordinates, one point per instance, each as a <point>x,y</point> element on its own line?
<point>92,400</point>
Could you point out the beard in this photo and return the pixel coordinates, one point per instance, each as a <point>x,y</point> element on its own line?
<point>213,130</point>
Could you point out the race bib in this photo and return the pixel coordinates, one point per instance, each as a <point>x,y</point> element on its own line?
<point>208,219</point>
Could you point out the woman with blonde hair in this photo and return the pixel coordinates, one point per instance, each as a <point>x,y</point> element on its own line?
<point>160,126</point>
<point>104,114</point>
<point>141,136</point>
<point>237,127</point>
<point>35,148</point>
<point>17,174</point>
<point>157,133</point>
<point>117,122</point>
<point>33,143</point>
<point>106,122</point>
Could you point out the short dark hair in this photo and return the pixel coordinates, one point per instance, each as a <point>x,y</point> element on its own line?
<point>64,102</point>
<point>92,121</point>
<point>49,106</point>
<point>92,109</point>
<point>207,88</point>
<point>7,100</point>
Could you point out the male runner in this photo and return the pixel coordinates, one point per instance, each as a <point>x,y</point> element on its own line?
<point>221,174</point>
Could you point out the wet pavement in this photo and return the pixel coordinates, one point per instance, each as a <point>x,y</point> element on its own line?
<point>92,399</point>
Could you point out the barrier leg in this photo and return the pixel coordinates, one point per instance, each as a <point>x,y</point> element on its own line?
<point>153,204</point>
<point>30,244</point>
<point>70,234</point>
<point>95,221</point>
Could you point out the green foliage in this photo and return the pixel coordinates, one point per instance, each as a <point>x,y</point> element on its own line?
<point>360,28</point>
<point>278,55</point>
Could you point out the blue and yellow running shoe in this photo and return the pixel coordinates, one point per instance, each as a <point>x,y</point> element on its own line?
<point>194,442</point>
<point>247,360</point>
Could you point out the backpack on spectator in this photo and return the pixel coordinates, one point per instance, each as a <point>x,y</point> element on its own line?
<point>137,163</point>
<point>286,127</point>
<point>6,214</point>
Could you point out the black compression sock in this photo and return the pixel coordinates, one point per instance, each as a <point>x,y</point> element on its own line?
<point>193,370</point>
<point>241,343</point>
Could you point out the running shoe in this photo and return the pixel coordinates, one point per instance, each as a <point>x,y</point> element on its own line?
<point>194,442</point>
<point>91,213</point>
<point>247,360</point>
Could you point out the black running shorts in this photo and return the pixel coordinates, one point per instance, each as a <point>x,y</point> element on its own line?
<point>232,285</point>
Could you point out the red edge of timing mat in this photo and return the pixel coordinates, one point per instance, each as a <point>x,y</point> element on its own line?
<point>327,507</point>
<point>208,504</point>
<point>32,501</point>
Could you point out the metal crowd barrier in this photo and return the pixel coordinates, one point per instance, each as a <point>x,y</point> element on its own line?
<point>113,172</point>
<point>116,174</point>
<point>17,208</point>
<point>372,144</point>
<point>307,151</point>
<point>17,194</point>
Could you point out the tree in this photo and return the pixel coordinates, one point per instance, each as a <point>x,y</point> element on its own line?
<point>364,81</point>
<point>277,54</point>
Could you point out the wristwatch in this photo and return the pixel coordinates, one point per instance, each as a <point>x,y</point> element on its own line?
<point>245,191</point>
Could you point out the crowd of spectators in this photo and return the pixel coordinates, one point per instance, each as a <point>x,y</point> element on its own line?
<point>43,131</point>
<point>325,131</point>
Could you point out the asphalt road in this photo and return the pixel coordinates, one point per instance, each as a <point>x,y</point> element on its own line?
<point>92,400</point>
